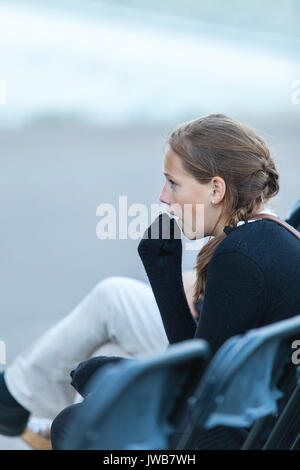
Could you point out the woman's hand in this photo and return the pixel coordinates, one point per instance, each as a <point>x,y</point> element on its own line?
<point>163,236</point>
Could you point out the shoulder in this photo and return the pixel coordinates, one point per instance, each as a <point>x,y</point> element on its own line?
<point>255,238</point>
<point>262,246</point>
<point>246,248</point>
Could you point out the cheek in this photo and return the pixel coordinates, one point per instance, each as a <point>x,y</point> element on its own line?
<point>193,218</point>
<point>193,204</point>
<point>176,204</point>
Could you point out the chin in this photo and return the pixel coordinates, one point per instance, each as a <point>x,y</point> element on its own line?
<point>192,235</point>
<point>187,234</point>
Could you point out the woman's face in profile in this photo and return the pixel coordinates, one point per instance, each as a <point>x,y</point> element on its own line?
<point>188,199</point>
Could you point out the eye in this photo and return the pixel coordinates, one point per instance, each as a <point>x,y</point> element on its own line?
<point>173,184</point>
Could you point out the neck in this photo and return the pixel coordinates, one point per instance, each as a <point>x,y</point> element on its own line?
<point>219,228</point>
<point>225,220</point>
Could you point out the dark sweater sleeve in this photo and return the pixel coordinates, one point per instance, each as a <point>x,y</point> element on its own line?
<point>235,298</point>
<point>162,260</point>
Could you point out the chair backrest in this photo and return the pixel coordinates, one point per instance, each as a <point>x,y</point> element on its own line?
<point>136,404</point>
<point>241,383</point>
<point>285,434</point>
<point>279,431</point>
<point>294,216</point>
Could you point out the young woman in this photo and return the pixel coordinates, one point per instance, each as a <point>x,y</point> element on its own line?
<point>246,275</point>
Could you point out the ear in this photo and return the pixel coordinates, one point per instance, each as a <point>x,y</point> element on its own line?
<point>218,189</point>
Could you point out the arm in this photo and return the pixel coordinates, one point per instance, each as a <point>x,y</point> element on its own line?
<point>162,258</point>
<point>235,298</point>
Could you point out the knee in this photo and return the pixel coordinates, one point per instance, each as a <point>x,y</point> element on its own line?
<point>114,297</point>
<point>110,287</point>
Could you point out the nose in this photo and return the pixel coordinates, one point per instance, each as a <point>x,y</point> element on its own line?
<point>164,196</point>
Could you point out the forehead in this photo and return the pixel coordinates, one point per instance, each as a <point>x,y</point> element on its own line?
<point>172,162</point>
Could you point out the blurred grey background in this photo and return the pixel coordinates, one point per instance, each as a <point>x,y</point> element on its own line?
<point>91,89</point>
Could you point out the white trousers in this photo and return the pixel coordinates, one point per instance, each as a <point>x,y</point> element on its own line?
<point>119,317</point>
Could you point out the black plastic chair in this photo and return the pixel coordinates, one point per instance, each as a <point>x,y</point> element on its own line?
<point>285,425</point>
<point>294,216</point>
<point>241,385</point>
<point>136,403</point>
<point>285,434</point>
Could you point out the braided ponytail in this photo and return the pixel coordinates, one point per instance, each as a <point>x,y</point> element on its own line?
<point>272,185</point>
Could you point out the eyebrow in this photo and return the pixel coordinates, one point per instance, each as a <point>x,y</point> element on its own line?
<point>169,176</point>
